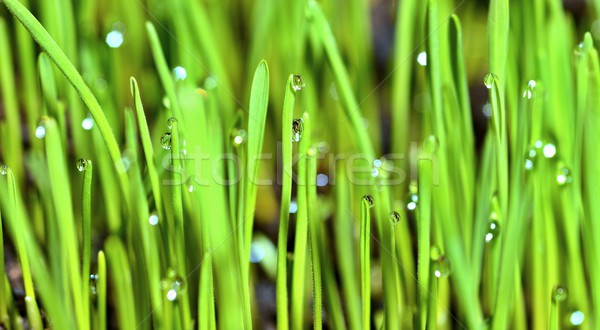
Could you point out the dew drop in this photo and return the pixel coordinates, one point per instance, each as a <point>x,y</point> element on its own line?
<point>293,207</point>
<point>171,121</point>
<point>93,282</point>
<point>375,172</point>
<point>153,219</point>
<point>40,131</point>
<point>297,129</point>
<point>257,252</point>
<point>3,169</point>
<point>377,163</point>
<point>87,123</point>
<point>422,59</point>
<point>489,79</point>
<point>435,253</point>
<point>191,188</point>
<point>238,136</point>
<point>441,267</point>
<point>395,217</point>
<point>412,199</point>
<point>487,110</point>
<point>549,150</point>
<point>165,141</point>
<point>493,230</point>
<point>322,180</point>
<point>81,164</point>
<point>563,175</point>
<point>180,73</point>
<point>114,39</point>
<point>530,90</point>
<point>577,318</point>
<point>369,199</point>
<point>172,295</point>
<point>559,294</point>
<point>432,144</point>
<point>298,82</point>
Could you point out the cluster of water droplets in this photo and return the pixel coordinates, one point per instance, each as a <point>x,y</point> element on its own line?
<point>238,136</point>
<point>93,283</point>
<point>173,284</point>
<point>493,230</point>
<point>412,199</point>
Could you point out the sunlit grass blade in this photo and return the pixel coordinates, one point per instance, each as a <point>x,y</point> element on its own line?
<point>101,292</point>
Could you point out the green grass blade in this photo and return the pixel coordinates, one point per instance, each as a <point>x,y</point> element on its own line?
<point>365,260</point>
<point>101,292</point>
<point>314,233</point>
<point>300,241</point>
<point>284,214</point>
<point>147,146</point>
<point>86,217</point>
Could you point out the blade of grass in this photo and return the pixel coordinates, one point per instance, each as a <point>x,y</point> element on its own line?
<point>313,237</point>
<point>284,214</point>
<point>147,146</point>
<point>365,260</point>
<point>86,217</point>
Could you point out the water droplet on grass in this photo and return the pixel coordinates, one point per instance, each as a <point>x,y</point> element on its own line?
<point>577,318</point>
<point>441,267</point>
<point>81,164</point>
<point>153,219</point>
<point>369,199</point>
<point>494,228</point>
<point>3,169</point>
<point>489,79</point>
<point>297,129</point>
<point>549,150</point>
<point>298,82</point>
<point>171,121</point>
<point>432,144</point>
<point>293,207</point>
<point>412,199</point>
<point>114,39</point>
<point>530,90</point>
<point>563,175</point>
<point>395,217</point>
<point>40,131</point>
<point>180,73</point>
<point>87,123</point>
<point>559,294</point>
<point>238,136</point>
<point>165,141</point>
<point>322,180</point>
<point>422,59</point>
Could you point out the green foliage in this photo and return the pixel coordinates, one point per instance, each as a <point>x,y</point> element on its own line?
<point>263,150</point>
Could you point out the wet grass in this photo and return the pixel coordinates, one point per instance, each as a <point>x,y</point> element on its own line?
<point>202,164</point>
